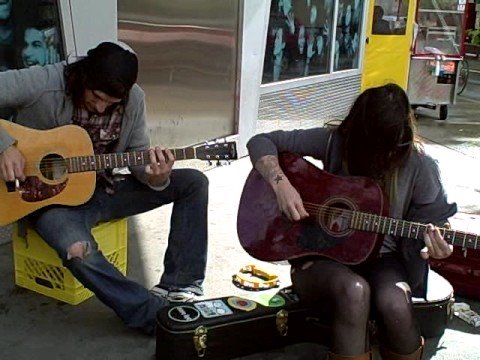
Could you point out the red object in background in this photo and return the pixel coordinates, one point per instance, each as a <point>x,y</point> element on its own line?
<point>469,18</point>
<point>462,272</point>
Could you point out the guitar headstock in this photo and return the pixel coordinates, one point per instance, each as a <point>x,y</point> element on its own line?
<point>217,151</point>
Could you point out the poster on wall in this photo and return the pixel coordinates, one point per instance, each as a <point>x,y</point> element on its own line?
<point>29,33</point>
<point>298,39</point>
<point>303,33</point>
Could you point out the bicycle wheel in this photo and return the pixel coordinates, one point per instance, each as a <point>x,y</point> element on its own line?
<point>463,71</point>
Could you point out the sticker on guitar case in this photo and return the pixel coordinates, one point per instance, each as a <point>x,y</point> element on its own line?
<point>270,300</point>
<point>241,303</point>
<point>183,313</point>
<point>213,308</point>
<point>276,301</point>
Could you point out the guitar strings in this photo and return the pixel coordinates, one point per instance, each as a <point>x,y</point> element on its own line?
<point>401,225</point>
<point>60,162</point>
<point>122,156</point>
<point>348,215</point>
<point>344,213</point>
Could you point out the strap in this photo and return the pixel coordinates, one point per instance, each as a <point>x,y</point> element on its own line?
<point>328,150</point>
<point>331,125</point>
<point>22,225</point>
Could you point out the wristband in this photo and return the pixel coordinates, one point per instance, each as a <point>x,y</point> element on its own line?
<point>161,187</point>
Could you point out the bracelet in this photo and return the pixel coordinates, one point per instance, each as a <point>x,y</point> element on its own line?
<point>161,187</point>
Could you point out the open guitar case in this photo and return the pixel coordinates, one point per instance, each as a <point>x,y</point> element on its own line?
<point>462,268</point>
<point>462,271</point>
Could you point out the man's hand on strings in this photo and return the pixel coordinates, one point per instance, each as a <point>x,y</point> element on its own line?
<point>160,167</point>
<point>289,201</point>
<point>436,246</point>
<point>12,164</point>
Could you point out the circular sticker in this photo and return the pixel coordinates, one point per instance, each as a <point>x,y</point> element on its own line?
<point>183,313</point>
<point>241,303</point>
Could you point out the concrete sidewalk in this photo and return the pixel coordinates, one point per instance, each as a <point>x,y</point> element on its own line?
<point>36,327</point>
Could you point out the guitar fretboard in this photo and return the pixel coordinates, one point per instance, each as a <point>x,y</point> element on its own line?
<point>412,230</point>
<point>109,161</point>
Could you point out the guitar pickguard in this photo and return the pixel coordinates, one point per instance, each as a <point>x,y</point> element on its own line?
<point>34,190</point>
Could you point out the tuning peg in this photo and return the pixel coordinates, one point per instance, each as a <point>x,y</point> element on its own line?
<point>209,163</point>
<point>219,163</point>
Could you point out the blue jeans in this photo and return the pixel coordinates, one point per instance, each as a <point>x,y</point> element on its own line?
<point>185,258</point>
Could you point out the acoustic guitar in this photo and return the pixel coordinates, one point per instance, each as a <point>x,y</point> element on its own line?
<point>60,167</point>
<point>347,223</point>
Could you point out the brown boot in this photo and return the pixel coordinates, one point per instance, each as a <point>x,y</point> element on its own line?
<point>389,355</point>
<point>366,356</point>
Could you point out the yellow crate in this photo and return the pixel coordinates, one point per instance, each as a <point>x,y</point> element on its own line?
<point>39,268</point>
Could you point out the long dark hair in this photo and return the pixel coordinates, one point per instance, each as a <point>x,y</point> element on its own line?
<point>379,132</point>
<point>108,68</point>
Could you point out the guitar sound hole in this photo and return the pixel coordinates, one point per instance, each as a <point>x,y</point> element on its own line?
<point>335,218</point>
<point>53,167</point>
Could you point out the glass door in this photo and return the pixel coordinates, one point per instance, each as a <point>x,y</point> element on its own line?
<point>440,27</point>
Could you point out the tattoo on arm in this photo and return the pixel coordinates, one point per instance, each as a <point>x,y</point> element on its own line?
<point>269,168</point>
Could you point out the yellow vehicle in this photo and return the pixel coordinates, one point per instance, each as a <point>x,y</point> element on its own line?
<point>417,45</point>
<point>389,35</point>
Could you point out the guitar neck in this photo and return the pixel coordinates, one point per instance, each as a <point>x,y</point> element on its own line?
<point>412,230</point>
<point>109,161</point>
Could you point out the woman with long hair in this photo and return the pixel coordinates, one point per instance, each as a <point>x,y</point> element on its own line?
<point>377,140</point>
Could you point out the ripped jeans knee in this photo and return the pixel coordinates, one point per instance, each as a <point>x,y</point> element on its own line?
<point>79,249</point>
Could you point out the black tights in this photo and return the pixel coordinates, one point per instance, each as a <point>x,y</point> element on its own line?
<point>345,297</point>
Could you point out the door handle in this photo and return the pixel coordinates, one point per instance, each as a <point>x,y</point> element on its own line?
<point>367,40</point>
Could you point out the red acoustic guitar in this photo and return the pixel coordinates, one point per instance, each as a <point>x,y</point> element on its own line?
<point>347,222</point>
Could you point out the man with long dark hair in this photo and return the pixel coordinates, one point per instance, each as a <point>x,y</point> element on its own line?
<point>376,140</point>
<point>99,94</point>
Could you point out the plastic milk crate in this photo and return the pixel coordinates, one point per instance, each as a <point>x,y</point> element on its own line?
<point>39,268</point>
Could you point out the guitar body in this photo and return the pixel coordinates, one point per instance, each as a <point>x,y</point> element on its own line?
<point>266,234</point>
<point>48,181</point>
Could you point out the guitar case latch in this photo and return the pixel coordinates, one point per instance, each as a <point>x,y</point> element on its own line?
<point>200,340</point>
<point>282,322</point>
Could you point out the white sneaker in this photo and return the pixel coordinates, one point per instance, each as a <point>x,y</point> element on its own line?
<point>160,292</point>
<point>179,295</point>
<point>174,295</point>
